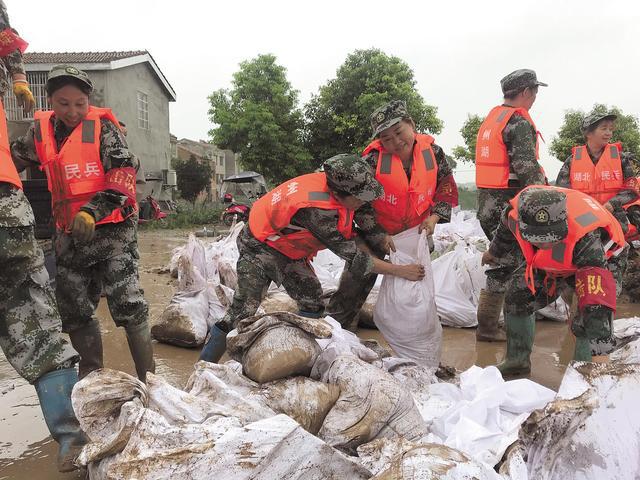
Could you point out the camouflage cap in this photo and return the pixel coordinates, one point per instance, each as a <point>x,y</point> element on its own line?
<point>351,174</point>
<point>517,81</point>
<point>542,214</point>
<point>69,71</point>
<point>594,117</point>
<point>388,115</point>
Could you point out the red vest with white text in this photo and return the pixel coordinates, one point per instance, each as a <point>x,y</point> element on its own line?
<point>405,202</point>
<point>584,215</point>
<point>602,181</point>
<point>492,160</point>
<point>75,173</point>
<point>270,216</point>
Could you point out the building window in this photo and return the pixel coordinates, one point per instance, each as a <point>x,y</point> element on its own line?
<point>37,81</point>
<point>221,161</point>
<point>143,111</point>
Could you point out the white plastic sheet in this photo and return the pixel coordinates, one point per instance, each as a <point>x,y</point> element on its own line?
<point>405,312</point>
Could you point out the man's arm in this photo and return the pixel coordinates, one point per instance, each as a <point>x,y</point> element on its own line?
<point>446,195</point>
<point>23,151</point>
<point>520,140</point>
<point>629,193</point>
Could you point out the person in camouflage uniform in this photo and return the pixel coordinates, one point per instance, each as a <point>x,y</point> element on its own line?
<point>596,142</point>
<point>392,125</point>
<point>542,221</point>
<point>91,255</point>
<point>30,328</point>
<point>520,139</point>
<point>349,182</point>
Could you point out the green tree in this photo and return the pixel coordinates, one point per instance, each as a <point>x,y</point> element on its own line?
<point>193,177</point>
<point>469,132</point>
<point>337,118</point>
<point>570,133</point>
<point>260,119</point>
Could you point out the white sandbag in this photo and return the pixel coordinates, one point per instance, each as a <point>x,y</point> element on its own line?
<point>328,268</point>
<point>162,432</point>
<point>591,431</point>
<point>405,312</point>
<point>458,277</point>
<point>340,342</point>
<point>184,322</point>
<point>372,404</point>
<point>222,257</point>
<point>399,459</point>
<point>482,416</point>
<point>277,301</point>
<point>557,310</point>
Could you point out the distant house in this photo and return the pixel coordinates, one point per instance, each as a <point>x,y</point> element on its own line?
<point>134,87</point>
<point>223,162</point>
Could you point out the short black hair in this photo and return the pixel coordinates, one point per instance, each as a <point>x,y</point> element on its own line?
<point>58,82</point>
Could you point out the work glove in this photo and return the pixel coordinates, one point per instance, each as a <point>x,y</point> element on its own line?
<point>83,227</point>
<point>23,95</point>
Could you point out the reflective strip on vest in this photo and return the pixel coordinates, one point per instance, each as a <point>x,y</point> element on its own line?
<point>614,151</point>
<point>586,219</point>
<point>428,159</point>
<point>502,115</point>
<point>88,131</point>
<point>579,153</point>
<point>319,196</point>
<point>557,252</point>
<point>385,164</point>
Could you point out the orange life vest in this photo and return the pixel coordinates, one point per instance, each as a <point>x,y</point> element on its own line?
<point>492,160</point>
<point>272,214</point>
<point>405,202</point>
<point>602,181</point>
<point>584,215</point>
<point>75,173</point>
<point>8,172</point>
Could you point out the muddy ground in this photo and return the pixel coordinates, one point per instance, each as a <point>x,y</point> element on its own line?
<point>27,452</point>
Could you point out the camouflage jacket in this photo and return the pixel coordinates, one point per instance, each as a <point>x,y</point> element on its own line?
<point>12,63</point>
<point>442,209</point>
<point>323,225</point>
<point>623,197</point>
<point>520,137</point>
<point>114,153</point>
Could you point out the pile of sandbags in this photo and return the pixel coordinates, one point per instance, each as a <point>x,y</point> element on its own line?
<point>161,432</point>
<point>206,281</point>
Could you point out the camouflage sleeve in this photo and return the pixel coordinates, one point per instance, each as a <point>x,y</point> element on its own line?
<point>13,62</point>
<point>445,175</point>
<point>323,225</point>
<point>564,179</point>
<point>520,140</point>
<point>23,151</point>
<point>369,229</point>
<point>626,195</point>
<point>114,153</point>
<point>504,245</point>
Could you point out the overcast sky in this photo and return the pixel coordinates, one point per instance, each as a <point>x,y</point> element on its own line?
<point>587,51</point>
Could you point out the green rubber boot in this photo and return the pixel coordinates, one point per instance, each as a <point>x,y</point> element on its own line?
<point>582,353</point>
<point>520,332</point>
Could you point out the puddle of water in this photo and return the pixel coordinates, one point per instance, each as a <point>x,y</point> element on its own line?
<point>27,452</point>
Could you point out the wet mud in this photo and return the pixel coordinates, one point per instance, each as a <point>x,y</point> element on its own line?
<point>27,452</point>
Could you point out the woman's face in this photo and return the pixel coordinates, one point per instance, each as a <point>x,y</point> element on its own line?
<point>70,104</point>
<point>602,134</point>
<point>398,139</point>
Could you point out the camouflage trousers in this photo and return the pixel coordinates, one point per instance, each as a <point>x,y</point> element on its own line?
<point>30,330</point>
<point>491,203</point>
<point>257,267</point>
<point>83,272</point>
<point>519,300</point>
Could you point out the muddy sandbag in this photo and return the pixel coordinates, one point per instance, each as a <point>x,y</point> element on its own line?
<point>591,430</point>
<point>303,399</point>
<point>403,460</point>
<point>372,404</point>
<point>276,345</point>
<point>277,301</point>
<point>184,321</point>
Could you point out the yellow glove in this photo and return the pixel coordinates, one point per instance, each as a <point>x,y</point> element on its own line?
<point>24,95</point>
<point>83,227</point>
